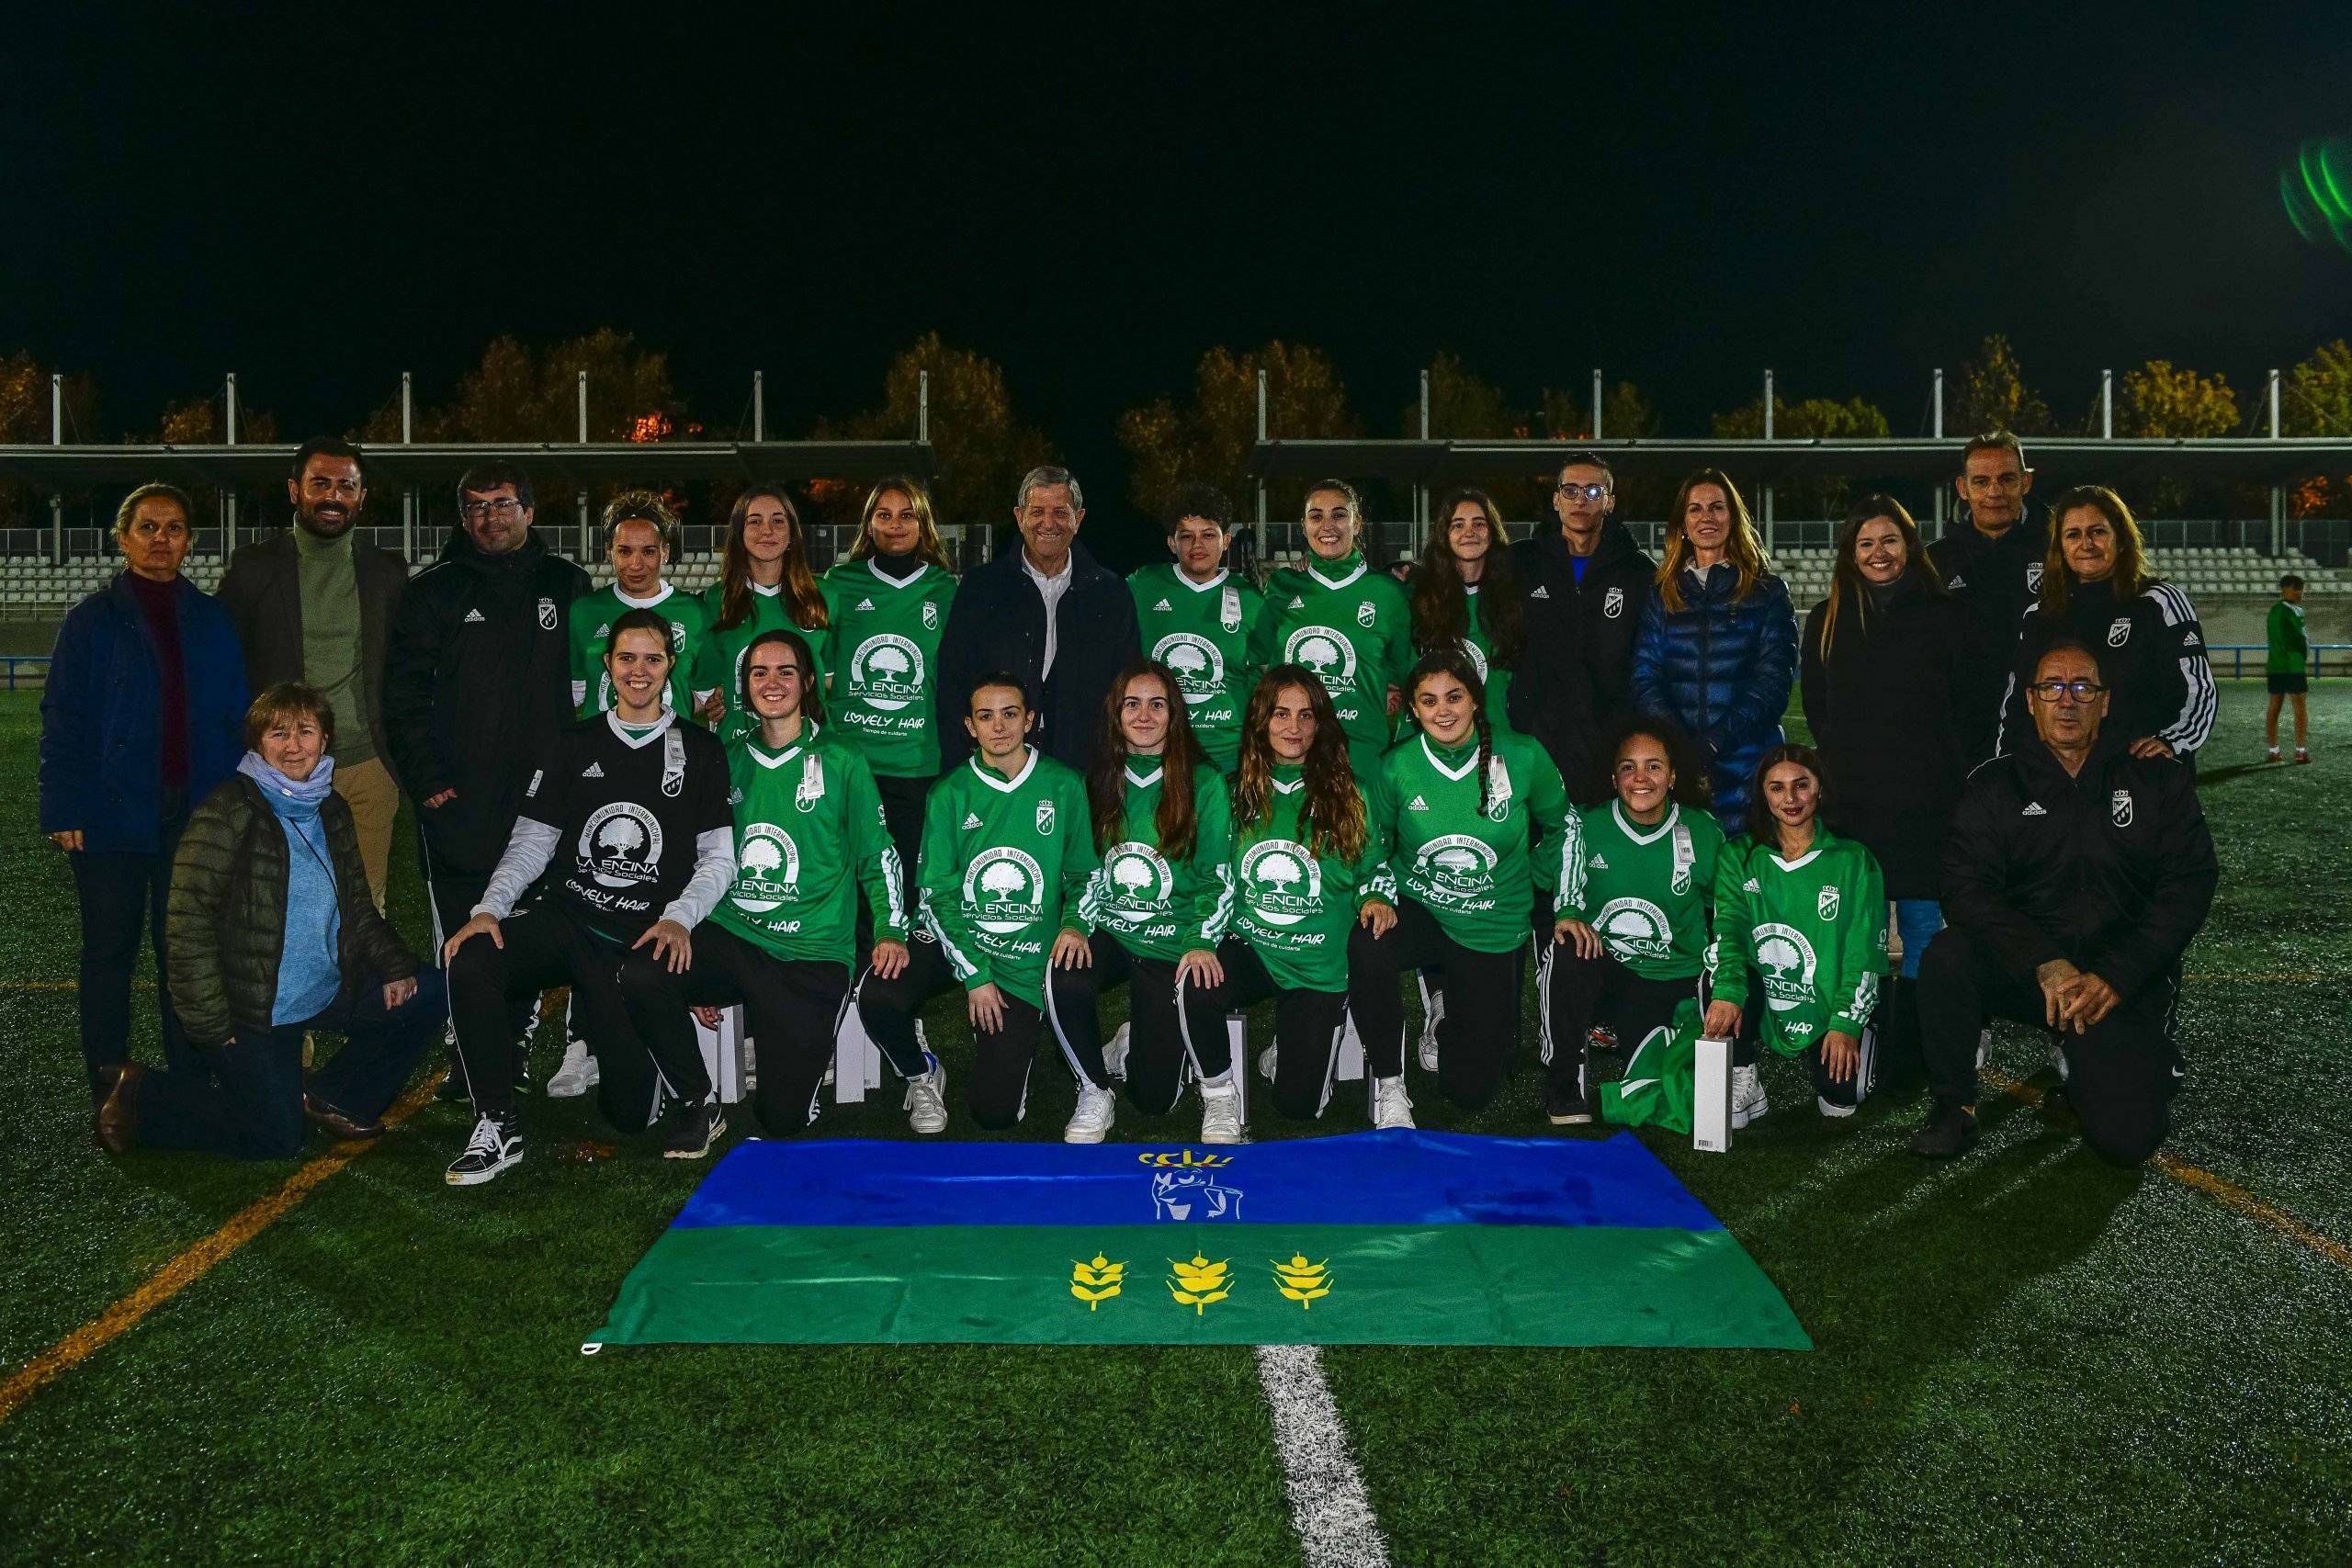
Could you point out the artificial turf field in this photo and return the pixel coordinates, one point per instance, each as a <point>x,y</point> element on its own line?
<point>2021,1357</point>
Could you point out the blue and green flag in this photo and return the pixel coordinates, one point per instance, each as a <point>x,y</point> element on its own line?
<point>1368,1238</point>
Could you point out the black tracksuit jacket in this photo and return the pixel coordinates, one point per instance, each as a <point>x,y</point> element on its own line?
<point>1576,678</point>
<point>1992,580</point>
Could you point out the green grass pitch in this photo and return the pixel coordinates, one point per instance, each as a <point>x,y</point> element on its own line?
<point>2022,1357</point>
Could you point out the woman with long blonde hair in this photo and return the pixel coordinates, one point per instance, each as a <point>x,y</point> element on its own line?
<point>764,582</point>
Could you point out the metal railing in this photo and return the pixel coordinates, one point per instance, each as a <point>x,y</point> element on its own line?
<point>9,662</point>
<point>2238,651</point>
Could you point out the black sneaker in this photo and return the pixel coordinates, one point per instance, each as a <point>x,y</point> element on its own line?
<point>497,1143</point>
<point>692,1129</point>
<point>452,1082</point>
<point>1564,1105</point>
<point>1951,1131</point>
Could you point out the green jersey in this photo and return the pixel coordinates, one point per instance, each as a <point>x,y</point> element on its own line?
<point>808,833</point>
<point>592,633</point>
<point>1468,864</point>
<point>721,665</point>
<point>886,655</point>
<point>1005,863</point>
<point>1201,630</point>
<point>1814,928</point>
<point>1152,907</point>
<point>1644,890</point>
<point>1294,908</point>
<point>2289,649</point>
<point>1481,648</point>
<point>1350,624</point>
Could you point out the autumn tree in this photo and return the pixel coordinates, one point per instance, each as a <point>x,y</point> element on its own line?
<point>2159,398</point>
<point>1992,394</point>
<point>25,420</point>
<point>518,393</point>
<point>1213,437</point>
<point>203,422</point>
<point>2316,397</point>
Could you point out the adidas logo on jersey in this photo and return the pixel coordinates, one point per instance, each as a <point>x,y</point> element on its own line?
<point>1296,602</point>
<point>605,630</point>
<point>2033,808</point>
<point>971,820</point>
<point>1541,593</point>
<point>471,617</point>
<point>734,797</point>
<point>1753,886</point>
<point>594,770</point>
<point>866,603</point>
<point>1957,583</point>
<point>1164,604</point>
<point>1417,805</point>
<point>1600,863</point>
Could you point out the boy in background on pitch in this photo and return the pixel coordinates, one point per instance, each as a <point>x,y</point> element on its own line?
<point>2288,667</point>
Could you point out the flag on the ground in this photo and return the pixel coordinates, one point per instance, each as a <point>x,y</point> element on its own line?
<point>1393,1238</point>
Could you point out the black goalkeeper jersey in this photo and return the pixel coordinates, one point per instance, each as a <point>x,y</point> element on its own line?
<point>626,811</point>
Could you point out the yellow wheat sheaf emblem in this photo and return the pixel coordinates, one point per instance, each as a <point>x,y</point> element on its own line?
<point>1199,1282</point>
<point>1302,1282</point>
<point>1098,1282</point>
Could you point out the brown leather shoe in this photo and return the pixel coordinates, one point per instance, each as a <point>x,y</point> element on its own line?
<point>117,1124</point>
<point>335,1124</point>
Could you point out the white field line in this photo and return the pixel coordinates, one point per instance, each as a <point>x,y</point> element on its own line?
<point>1328,1507</point>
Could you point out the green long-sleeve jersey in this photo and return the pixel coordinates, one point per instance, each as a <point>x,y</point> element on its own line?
<point>885,662</point>
<point>1814,928</point>
<point>2289,649</point>
<point>1470,867</point>
<point>1296,907</point>
<point>1005,863</point>
<point>721,664</point>
<point>1202,631</point>
<point>1482,654</point>
<point>1644,890</point>
<point>1153,907</point>
<point>1350,624</point>
<point>809,834</point>
<point>592,634</point>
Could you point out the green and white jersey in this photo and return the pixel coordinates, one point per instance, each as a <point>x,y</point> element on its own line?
<point>885,662</point>
<point>1644,890</point>
<point>2289,649</point>
<point>721,666</point>
<point>1201,630</point>
<point>809,834</point>
<point>1350,624</point>
<point>1294,908</point>
<point>1469,866</point>
<point>592,633</point>
<point>1481,648</point>
<point>1005,863</point>
<point>1814,929</point>
<point>1152,907</point>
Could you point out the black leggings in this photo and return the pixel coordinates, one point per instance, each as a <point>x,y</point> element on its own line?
<point>1481,1024</point>
<point>1165,1023</point>
<point>902,804</point>
<point>1306,1030</point>
<point>1576,993</point>
<point>792,1009</point>
<point>997,1089</point>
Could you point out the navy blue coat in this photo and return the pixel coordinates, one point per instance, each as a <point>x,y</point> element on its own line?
<point>102,724</point>
<point>1723,670</point>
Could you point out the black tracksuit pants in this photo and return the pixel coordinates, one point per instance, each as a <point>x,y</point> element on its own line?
<point>903,800</point>
<point>2121,1073</point>
<point>997,1088</point>
<point>792,1009</point>
<point>1307,1025</point>
<point>1481,1023</point>
<point>1165,1023</point>
<point>1576,993</point>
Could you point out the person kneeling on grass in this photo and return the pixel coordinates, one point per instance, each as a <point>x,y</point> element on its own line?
<point>1006,856</point>
<point>809,835</point>
<point>636,798</point>
<point>2078,872</point>
<point>273,933</point>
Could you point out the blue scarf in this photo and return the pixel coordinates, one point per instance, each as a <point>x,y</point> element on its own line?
<point>290,797</point>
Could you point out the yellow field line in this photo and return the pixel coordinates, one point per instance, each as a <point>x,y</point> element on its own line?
<point>2222,1190</point>
<point>192,1265</point>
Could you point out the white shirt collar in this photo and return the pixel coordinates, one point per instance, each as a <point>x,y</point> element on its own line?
<point>1314,570</point>
<point>771,593</point>
<point>1069,563</point>
<point>1633,830</point>
<point>646,604</point>
<point>760,752</point>
<point>1222,573</point>
<point>1145,780</point>
<point>1469,765</point>
<point>613,721</point>
<point>997,780</point>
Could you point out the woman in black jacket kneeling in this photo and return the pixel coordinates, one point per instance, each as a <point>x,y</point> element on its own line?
<point>273,933</point>
<point>1884,689</point>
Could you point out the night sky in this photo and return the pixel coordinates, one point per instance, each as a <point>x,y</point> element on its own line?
<point>1680,198</point>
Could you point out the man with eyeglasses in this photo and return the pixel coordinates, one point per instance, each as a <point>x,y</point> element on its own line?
<point>316,605</point>
<point>478,684</point>
<point>1990,559</point>
<point>1584,585</point>
<point>2074,879</point>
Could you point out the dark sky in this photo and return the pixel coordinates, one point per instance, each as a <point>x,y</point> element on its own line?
<point>1681,197</point>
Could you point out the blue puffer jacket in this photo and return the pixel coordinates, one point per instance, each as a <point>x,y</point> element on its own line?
<point>1723,670</point>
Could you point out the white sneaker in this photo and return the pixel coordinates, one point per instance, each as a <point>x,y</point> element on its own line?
<point>1115,1055</point>
<point>1391,1106</point>
<point>926,1103</point>
<point>1221,1114</point>
<point>2058,1060</point>
<point>1266,1063</point>
<point>1984,1046</point>
<point>1748,1101</point>
<point>1833,1110</point>
<point>1435,1016</point>
<point>578,1075</point>
<point>1092,1117</point>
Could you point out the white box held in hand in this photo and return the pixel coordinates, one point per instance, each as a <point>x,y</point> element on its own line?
<point>1711,1096</point>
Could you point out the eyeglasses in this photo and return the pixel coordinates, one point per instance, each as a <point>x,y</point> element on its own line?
<point>1590,493</point>
<point>2052,690</point>
<point>503,508</point>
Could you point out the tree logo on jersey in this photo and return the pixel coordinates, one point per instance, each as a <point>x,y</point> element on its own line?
<point>1477,656</point>
<point>1825,903</point>
<point>767,868</point>
<point>1457,864</point>
<point>930,617</point>
<point>1634,928</point>
<point>1282,881</point>
<point>546,614</point>
<point>1200,668</point>
<point>1788,962</point>
<point>621,845</point>
<point>1613,604</point>
<point>1002,888</point>
<point>1363,613</point>
<point>886,672</point>
<point>1325,651</point>
<point>2118,631</point>
<point>1139,878</point>
<point>2119,807</point>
